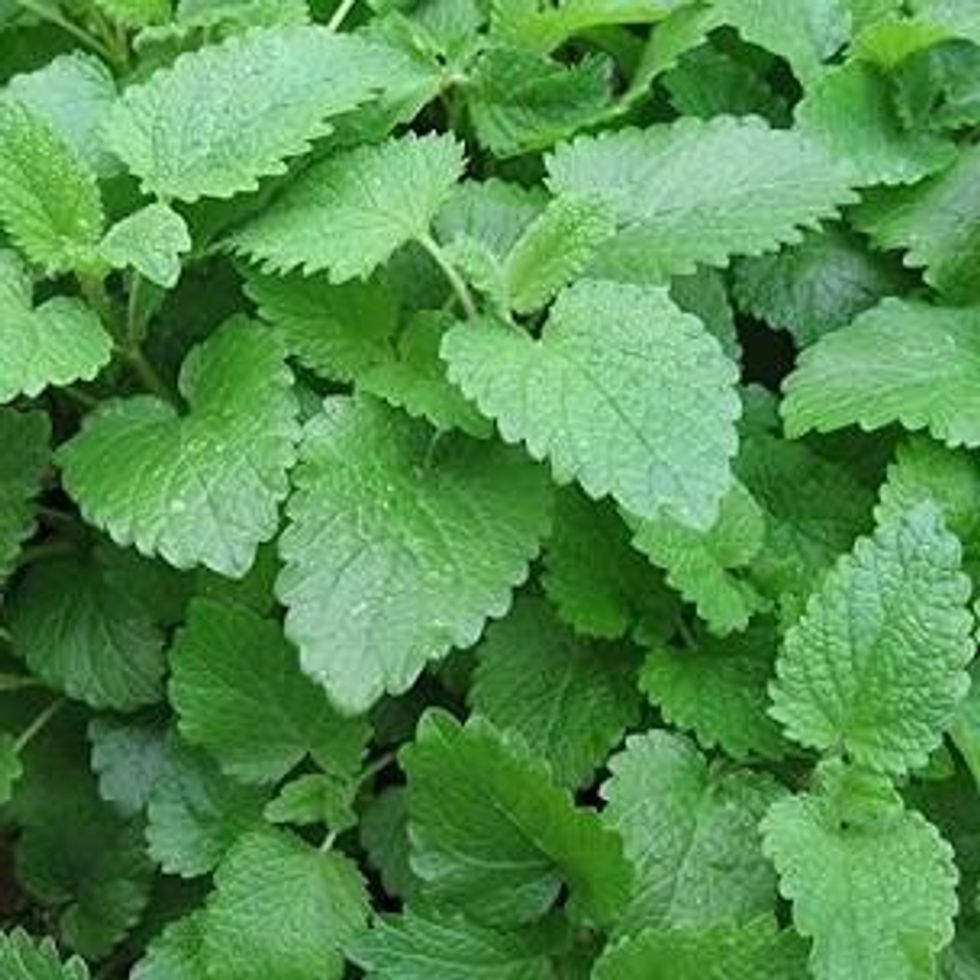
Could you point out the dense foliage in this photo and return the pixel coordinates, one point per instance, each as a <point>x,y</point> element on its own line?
<point>489,489</point>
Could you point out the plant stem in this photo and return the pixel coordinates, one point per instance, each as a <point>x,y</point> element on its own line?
<point>17,682</point>
<point>83,398</point>
<point>379,765</point>
<point>55,17</point>
<point>144,370</point>
<point>55,548</point>
<point>38,724</point>
<point>340,14</point>
<point>451,273</point>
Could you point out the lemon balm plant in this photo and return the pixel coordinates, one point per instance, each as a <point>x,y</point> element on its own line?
<point>488,489</point>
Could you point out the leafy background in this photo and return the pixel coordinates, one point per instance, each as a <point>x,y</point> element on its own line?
<point>489,489</point>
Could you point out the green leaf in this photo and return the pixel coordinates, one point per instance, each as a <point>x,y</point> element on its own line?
<point>599,584</point>
<point>24,437</point>
<point>150,241</point>
<point>49,199</point>
<point>705,294</point>
<point>695,191</point>
<point>851,112</point>
<point>709,567</point>
<point>350,212</point>
<point>281,908</point>
<point>196,813</point>
<point>876,894</point>
<point>408,569</point>
<point>718,690</point>
<point>877,665</point>
<point>24,958</point>
<point>72,94</point>
<point>88,636</point>
<point>903,361</point>
<point>56,343</point>
<point>175,954</point>
<point>805,32</point>
<point>337,331</point>
<point>239,692</point>
<point>937,223</point>
<point>222,117</point>
<point>127,757</point>
<point>553,251</point>
<point>960,17</point>
<point>494,836</point>
<point>569,699</point>
<point>815,287</point>
<point>316,798</point>
<point>201,487</point>
<point>754,951</point>
<point>384,835</point>
<point>426,944</point>
<point>136,13</point>
<point>690,832</point>
<point>416,381</point>
<point>11,768</point>
<point>623,392</point>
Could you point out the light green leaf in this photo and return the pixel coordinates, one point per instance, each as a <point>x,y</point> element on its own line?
<point>282,908</point>
<point>960,17</point>
<point>196,813</point>
<point>623,392</point>
<point>49,199</point>
<point>696,191</point>
<point>569,699</point>
<point>429,944</point>
<point>690,832</point>
<point>754,951</point>
<point>175,954</point>
<point>554,250</point>
<point>337,331</point>
<point>804,32</point>
<point>416,381</point>
<point>407,570</point>
<point>937,222</point>
<point>851,112</point>
<point>875,889</point>
<point>24,437</point>
<point>877,665</point>
<point>316,798</point>
<point>201,487</point>
<point>705,294</point>
<point>709,568</point>
<point>350,212</point>
<point>23,957</point>
<point>150,241</point>
<point>56,343</point>
<point>718,690</point>
<point>221,117</point>
<point>239,692</point>
<point>88,636</point>
<point>815,287</point>
<point>136,13</point>
<point>72,94</point>
<point>127,758</point>
<point>902,361</point>
<point>493,835</point>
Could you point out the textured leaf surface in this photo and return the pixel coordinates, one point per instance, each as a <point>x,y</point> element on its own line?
<point>351,211</point>
<point>24,436</point>
<point>389,562</point>
<point>494,836</point>
<point>903,361</point>
<point>719,691</point>
<point>201,487</point>
<point>151,241</point>
<point>281,908</point>
<point>175,954</point>
<point>755,951</point>
<point>600,395</point>
<point>238,689</point>
<point>127,757</point>
<point>876,894</point>
<point>49,199</point>
<point>55,343</point>
<point>877,664</point>
<point>690,831</point>
<point>222,117</point>
<point>699,192</point>
<point>24,958</point>
<point>708,567</point>
<point>571,700</point>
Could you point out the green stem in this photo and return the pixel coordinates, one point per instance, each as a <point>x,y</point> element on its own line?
<point>340,14</point>
<point>56,548</point>
<point>77,395</point>
<point>36,726</point>
<point>379,765</point>
<point>145,371</point>
<point>452,275</point>
<point>55,17</point>
<point>328,841</point>
<point>17,682</point>
<point>95,293</point>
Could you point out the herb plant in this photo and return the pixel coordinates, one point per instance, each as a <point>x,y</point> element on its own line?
<point>489,489</point>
